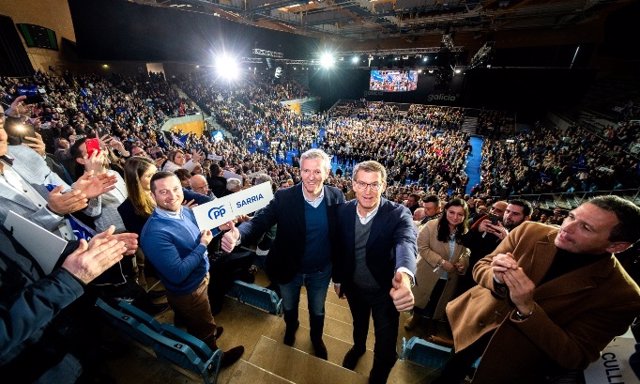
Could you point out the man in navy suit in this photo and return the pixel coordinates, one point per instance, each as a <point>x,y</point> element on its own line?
<point>301,251</point>
<point>374,265</point>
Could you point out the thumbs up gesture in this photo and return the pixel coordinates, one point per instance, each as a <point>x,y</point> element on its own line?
<point>401,292</point>
<point>230,238</point>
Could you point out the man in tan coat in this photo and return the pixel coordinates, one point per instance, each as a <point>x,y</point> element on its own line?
<point>548,299</point>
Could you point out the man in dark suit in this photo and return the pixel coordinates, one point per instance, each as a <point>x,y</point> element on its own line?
<point>375,261</point>
<point>301,251</point>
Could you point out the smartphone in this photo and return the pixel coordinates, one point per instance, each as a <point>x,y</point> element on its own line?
<point>93,145</point>
<point>494,219</point>
<point>32,93</point>
<point>16,131</point>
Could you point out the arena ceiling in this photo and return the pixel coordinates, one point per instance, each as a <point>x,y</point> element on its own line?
<point>365,20</point>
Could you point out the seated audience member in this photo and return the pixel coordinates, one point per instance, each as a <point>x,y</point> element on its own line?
<point>548,299</point>
<point>442,258</point>
<point>46,335</point>
<point>177,248</point>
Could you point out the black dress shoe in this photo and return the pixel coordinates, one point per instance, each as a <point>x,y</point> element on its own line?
<point>231,356</point>
<point>351,358</point>
<point>319,349</point>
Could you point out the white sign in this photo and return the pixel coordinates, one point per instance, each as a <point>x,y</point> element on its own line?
<point>613,366</point>
<point>44,246</point>
<point>227,208</point>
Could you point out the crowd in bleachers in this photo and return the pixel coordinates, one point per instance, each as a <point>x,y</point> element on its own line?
<point>423,148</point>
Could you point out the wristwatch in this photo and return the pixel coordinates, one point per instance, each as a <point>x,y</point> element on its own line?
<point>521,316</point>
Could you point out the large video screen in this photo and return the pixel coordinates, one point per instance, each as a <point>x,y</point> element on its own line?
<point>393,81</point>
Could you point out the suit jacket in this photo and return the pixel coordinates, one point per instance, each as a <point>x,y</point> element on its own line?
<point>286,210</point>
<point>575,316</point>
<point>34,170</point>
<point>391,243</point>
<point>431,252</point>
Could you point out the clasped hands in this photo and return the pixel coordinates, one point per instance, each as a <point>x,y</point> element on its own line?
<point>506,271</point>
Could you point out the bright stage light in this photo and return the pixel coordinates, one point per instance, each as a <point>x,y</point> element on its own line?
<point>327,60</point>
<point>355,59</point>
<point>227,67</point>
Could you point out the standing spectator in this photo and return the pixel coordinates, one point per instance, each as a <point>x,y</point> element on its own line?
<point>173,243</point>
<point>301,251</point>
<point>485,237</point>
<point>375,264</point>
<point>199,185</point>
<point>442,260</point>
<point>548,299</point>
<point>216,181</point>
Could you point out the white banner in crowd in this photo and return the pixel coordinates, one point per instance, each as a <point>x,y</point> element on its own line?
<point>613,366</point>
<point>227,208</point>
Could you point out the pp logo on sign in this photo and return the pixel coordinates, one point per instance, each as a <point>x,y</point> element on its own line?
<point>216,212</point>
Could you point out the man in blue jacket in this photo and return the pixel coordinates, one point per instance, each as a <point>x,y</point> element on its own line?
<point>301,251</point>
<point>173,243</point>
<point>375,262</point>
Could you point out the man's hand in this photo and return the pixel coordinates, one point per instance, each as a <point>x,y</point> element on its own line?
<point>520,289</point>
<point>95,162</point>
<point>63,203</point>
<point>230,238</point>
<point>17,107</point>
<point>94,186</point>
<point>501,263</point>
<point>36,143</point>
<point>338,289</point>
<point>401,292</point>
<point>130,240</point>
<point>498,230</point>
<point>91,259</point>
<point>205,237</point>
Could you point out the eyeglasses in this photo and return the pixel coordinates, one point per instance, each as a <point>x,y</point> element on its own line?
<point>360,185</point>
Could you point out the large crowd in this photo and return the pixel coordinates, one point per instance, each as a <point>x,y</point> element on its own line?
<point>420,149</point>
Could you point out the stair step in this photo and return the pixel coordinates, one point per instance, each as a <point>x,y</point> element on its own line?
<point>246,372</point>
<point>403,372</point>
<point>332,309</point>
<point>335,328</point>
<point>336,348</point>
<point>298,366</point>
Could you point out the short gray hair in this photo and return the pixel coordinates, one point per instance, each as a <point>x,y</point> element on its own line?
<point>315,153</point>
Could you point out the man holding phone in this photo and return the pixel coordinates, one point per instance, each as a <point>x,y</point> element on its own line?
<point>489,231</point>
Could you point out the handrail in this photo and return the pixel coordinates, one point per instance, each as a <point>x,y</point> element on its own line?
<point>579,195</point>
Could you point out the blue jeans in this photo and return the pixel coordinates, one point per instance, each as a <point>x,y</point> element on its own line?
<point>317,284</point>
